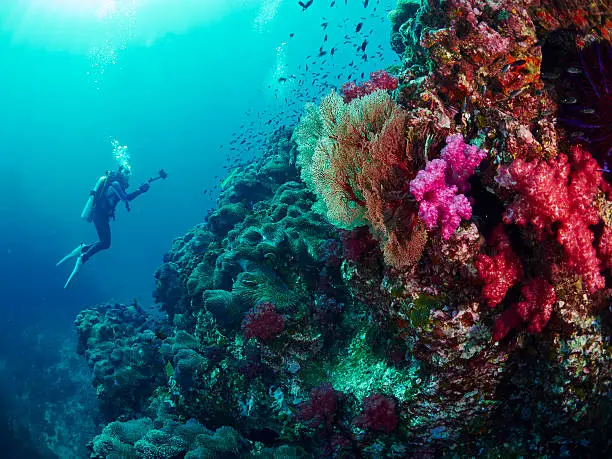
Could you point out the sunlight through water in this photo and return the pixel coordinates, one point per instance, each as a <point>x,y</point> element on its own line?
<point>117,20</point>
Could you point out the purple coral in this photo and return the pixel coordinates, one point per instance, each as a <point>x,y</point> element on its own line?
<point>436,187</point>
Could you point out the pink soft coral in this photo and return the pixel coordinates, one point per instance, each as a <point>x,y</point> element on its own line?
<point>462,159</point>
<point>436,187</point>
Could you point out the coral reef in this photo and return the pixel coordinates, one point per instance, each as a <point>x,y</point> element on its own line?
<point>123,354</point>
<point>415,273</point>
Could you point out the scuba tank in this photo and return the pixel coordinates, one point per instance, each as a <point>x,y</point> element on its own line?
<point>87,213</point>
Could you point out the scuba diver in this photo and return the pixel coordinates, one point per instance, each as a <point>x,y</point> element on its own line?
<point>100,208</point>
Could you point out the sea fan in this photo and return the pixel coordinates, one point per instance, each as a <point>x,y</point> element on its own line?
<point>587,112</point>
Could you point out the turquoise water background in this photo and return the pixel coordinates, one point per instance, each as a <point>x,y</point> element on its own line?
<point>183,81</point>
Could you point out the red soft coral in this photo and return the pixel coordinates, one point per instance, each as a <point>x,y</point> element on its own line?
<point>263,323</point>
<point>556,198</point>
<point>322,407</point>
<point>605,247</point>
<point>535,310</point>
<point>379,413</point>
<point>378,80</point>
<point>500,271</point>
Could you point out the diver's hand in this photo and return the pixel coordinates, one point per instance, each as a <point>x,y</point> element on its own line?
<point>144,187</point>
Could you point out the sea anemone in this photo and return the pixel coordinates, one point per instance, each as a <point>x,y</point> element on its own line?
<point>586,111</point>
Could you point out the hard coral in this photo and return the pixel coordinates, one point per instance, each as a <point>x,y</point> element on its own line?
<point>579,15</point>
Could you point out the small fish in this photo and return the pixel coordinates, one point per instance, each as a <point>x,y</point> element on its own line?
<point>365,3</point>
<point>364,44</point>
<point>516,92</point>
<point>324,25</point>
<point>569,100</point>
<point>325,38</point>
<point>588,111</point>
<point>332,4</point>
<point>550,75</point>
<point>519,62</point>
<point>359,26</point>
<point>332,51</point>
<point>305,5</point>
<point>574,71</point>
<point>282,80</point>
<point>291,35</point>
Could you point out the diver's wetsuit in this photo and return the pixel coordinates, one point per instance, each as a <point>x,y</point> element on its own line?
<point>103,211</point>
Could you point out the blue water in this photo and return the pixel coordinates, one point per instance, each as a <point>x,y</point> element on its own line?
<point>174,99</point>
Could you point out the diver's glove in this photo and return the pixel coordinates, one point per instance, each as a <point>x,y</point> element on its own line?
<point>144,187</point>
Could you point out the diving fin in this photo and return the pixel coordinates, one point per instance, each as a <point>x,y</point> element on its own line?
<point>74,253</point>
<point>77,268</point>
